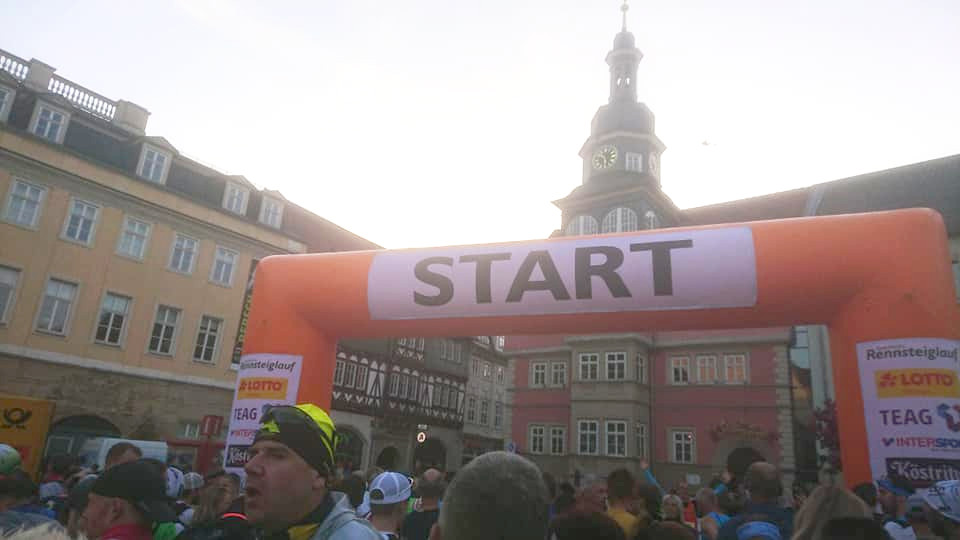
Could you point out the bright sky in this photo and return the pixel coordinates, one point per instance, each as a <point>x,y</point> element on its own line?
<point>433,122</point>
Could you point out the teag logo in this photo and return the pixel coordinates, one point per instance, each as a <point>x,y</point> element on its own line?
<point>950,415</point>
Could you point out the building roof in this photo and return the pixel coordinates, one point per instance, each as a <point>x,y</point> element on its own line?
<point>929,184</point>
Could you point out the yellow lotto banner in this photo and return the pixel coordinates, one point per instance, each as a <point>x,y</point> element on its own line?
<point>24,423</point>
<point>917,382</point>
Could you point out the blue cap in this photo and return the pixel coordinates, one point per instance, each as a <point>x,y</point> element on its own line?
<point>759,529</point>
<point>889,485</point>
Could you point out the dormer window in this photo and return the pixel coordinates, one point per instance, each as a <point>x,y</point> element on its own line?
<point>154,164</point>
<point>634,162</point>
<point>271,212</point>
<point>49,123</point>
<point>235,198</point>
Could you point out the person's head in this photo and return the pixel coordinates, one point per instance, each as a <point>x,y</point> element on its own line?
<point>431,485</point>
<point>647,497</point>
<point>389,493</point>
<point>853,528</point>
<point>893,492</point>
<point>126,494</point>
<point>867,493</point>
<point>941,506</point>
<point>763,482</point>
<point>291,462</point>
<point>16,488</point>
<point>620,486</point>
<point>592,496</point>
<point>823,504</point>
<point>496,495</point>
<point>353,487</point>
<point>192,485</point>
<point>756,527</point>
<point>706,501</point>
<point>565,503</point>
<point>122,452</point>
<point>567,487</point>
<point>672,508</point>
<point>595,526</point>
<point>211,504</point>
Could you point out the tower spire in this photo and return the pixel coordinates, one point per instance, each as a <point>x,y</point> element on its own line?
<point>624,8</point>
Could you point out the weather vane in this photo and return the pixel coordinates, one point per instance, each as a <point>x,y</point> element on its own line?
<point>624,8</point>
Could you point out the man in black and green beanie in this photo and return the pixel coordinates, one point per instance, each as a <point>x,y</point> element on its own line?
<point>291,463</point>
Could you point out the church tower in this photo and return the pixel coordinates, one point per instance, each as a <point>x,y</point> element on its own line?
<point>621,158</point>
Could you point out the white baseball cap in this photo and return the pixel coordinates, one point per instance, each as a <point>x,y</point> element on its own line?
<point>944,497</point>
<point>192,480</point>
<point>390,488</point>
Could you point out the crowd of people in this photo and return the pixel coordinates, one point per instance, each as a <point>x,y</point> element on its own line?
<point>291,492</point>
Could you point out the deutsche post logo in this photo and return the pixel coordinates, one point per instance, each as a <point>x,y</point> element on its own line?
<point>920,382</point>
<point>15,418</point>
<point>262,388</point>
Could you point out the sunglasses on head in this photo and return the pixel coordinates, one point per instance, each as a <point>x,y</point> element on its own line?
<point>293,419</point>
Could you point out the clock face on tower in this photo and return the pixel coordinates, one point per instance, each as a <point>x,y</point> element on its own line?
<point>605,157</point>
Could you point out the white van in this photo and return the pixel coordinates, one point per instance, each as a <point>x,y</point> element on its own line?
<point>94,451</point>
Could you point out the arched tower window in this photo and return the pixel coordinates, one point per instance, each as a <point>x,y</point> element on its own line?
<point>620,219</point>
<point>651,220</point>
<point>582,224</point>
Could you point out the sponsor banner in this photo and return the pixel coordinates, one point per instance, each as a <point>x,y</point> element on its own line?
<point>911,400</point>
<point>671,270</point>
<point>264,380</point>
<point>24,423</point>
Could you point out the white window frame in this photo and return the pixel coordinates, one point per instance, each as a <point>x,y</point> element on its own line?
<point>634,162</point>
<point>497,414</point>
<point>673,438</point>
<point>217,344</point>
<point>363,376</point>
<point>484,416</point>
<point>7,103</point>
<point>620,219</point>
<point>7,308</point>
<point>582,224</point>
<point>538,433</point>
<point>617,360</point>
<point>349,375</point>
<point>124,324</point>
<point>124,231</point>
<point>501,375</point>
<point>263,211</point>
<point>642,440</point>
<point>641,369</point>
<point>33,225</point>
<point>471,409</point>
<point>93,226</point>
<point>174,336</point>
<point>675,363</point>
<point>393,381</point>
<point>590,361</point>
<point>746,367</point>
<point>165,167</point>
<point>35,122</point>
<point>338,373</point>
<point>580,434</point>
<point>244,198</point>
<point>620,447</point>
<point>651,220</point>
<point>487,370</point>
<point>189,430</point>
<point>561,369</point>
<point>704,361</point>
<point>193,259</point>
<point>558,433</point>
<point>68,318</point>
<point>217,252</point>
<point>538,368</point>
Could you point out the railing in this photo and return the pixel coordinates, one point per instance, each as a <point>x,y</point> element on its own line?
<point>87,100</point>
<point>14,65</point>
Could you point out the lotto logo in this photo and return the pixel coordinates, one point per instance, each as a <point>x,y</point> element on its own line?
<point>262,388</point>
<point>893,383</point>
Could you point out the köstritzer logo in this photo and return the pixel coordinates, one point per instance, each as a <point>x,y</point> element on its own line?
<point>946,412</point>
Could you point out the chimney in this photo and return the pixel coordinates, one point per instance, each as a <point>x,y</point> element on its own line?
<point>131,116</point>
<point>39,75</point>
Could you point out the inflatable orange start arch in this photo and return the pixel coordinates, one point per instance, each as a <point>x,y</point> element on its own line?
<point>881,282</point>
